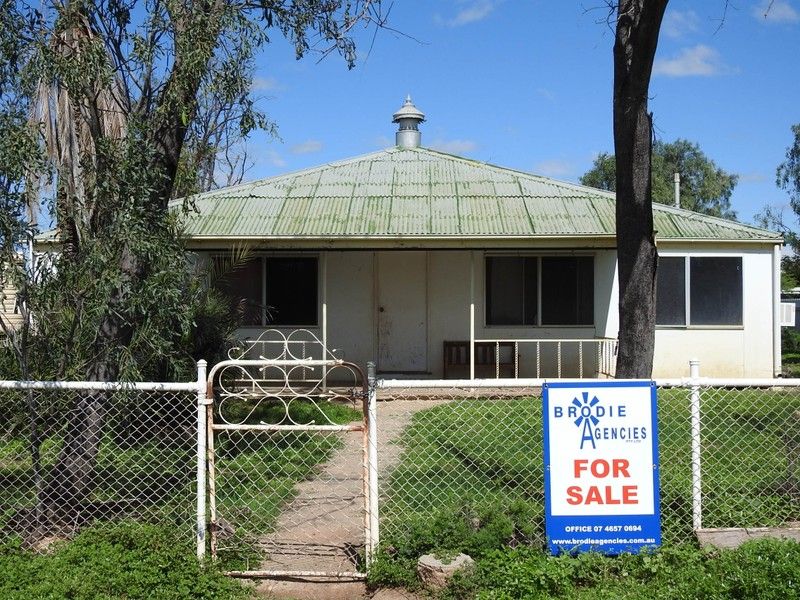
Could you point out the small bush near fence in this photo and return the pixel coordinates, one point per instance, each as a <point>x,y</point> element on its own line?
<point>470,477</point>
<point>763,569</point>
<point>122,560</point>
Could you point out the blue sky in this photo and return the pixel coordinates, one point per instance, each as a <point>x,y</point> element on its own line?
<point>527,84</point>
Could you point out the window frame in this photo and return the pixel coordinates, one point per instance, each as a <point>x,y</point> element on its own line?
<point>262,257</point>
<point>538,256</point>
<point>687,262</point>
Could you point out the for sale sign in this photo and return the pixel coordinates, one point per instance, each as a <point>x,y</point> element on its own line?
<point>601,466</point>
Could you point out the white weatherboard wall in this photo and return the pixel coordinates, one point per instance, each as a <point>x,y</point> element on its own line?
<point>724,351</point>
<point>353,317</point>
<point>351,306</point>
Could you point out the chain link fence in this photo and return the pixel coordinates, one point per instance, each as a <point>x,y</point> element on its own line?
<point>73,454</point>
<point>471,458</point>
<point>750,456</point>
<point>288,485</point>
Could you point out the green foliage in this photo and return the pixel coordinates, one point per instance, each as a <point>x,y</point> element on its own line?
<point>108,111</point>
<point>758,569</point>
<point>787,176</point>
<point>115,561</point>
<point>790,341</point>
<point>704,186</point>
<point>790,272</point>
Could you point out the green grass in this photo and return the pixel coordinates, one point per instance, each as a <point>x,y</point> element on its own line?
<point>151,470</point>
<point>471,474</point>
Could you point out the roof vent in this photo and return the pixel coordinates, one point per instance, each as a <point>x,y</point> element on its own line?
<point>408,118</point>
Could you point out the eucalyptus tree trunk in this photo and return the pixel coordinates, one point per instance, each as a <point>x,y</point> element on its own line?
<point>638,24</point>
<point>72,479</point>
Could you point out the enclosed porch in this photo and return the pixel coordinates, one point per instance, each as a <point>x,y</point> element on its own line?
<point>438,313</point>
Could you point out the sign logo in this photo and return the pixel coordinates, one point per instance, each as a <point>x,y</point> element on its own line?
<point>586,418</point>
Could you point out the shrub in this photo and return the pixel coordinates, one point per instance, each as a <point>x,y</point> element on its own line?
<point>123,560</point>
<point>764,569</point>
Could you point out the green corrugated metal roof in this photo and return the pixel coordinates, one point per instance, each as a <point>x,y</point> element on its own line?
<point>423,193</point>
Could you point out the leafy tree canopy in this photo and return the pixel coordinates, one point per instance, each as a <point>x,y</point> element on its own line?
<point>705,187</point>
<point>110,109</point>
<point>787,178</point>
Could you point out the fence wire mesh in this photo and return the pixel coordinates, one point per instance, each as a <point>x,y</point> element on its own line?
<point>287,468</point>
<point>469,462</point>
<point>289,501</point>
<point>750,440</point>
<point>72,457</point>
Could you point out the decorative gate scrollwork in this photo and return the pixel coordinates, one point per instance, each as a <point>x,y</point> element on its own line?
<point>292,486</point>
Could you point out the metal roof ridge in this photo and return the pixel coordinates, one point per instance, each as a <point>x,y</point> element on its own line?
<point>534,176</point>
<point>597,192</point>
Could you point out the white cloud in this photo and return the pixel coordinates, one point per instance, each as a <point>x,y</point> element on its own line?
<point>678,23</point>
<point>472,11</point>
<point>776,11</point>
<point>700,61</point>
<point>754,177</point>
<point>546,94</point>
<point>273,159</point>
<point>266,84</point>
<point>454,146</point>
<point>554,168</point>
<point>383,141</point>
<point>307,147</point>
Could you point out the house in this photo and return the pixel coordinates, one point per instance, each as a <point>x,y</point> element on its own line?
<point>409,256</point>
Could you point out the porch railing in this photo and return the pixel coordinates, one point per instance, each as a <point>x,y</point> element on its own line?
<point>594,358</point>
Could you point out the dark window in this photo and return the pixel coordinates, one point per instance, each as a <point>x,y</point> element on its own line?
<point>241,284</point>
<point>567,290</point>
<point>291,290</point>
<point>511,290</point>
<point>715,291</point>
<point>671,291</point>
<point>513,294</point>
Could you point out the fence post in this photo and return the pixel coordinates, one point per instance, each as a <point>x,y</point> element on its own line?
<point>201,459</point>
<point>697,482</point>
<point>372,464</point>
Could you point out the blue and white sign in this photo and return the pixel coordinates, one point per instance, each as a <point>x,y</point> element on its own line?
<point>601,466</point>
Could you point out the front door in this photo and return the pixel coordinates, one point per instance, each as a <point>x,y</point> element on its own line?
<point>402,312</point>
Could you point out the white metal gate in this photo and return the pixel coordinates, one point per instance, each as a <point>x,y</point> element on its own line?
<point>291,464</point>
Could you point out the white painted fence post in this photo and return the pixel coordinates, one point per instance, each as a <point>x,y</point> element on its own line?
<point>201,459</point>
<point>697,482</point>
<point>372,464</point>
